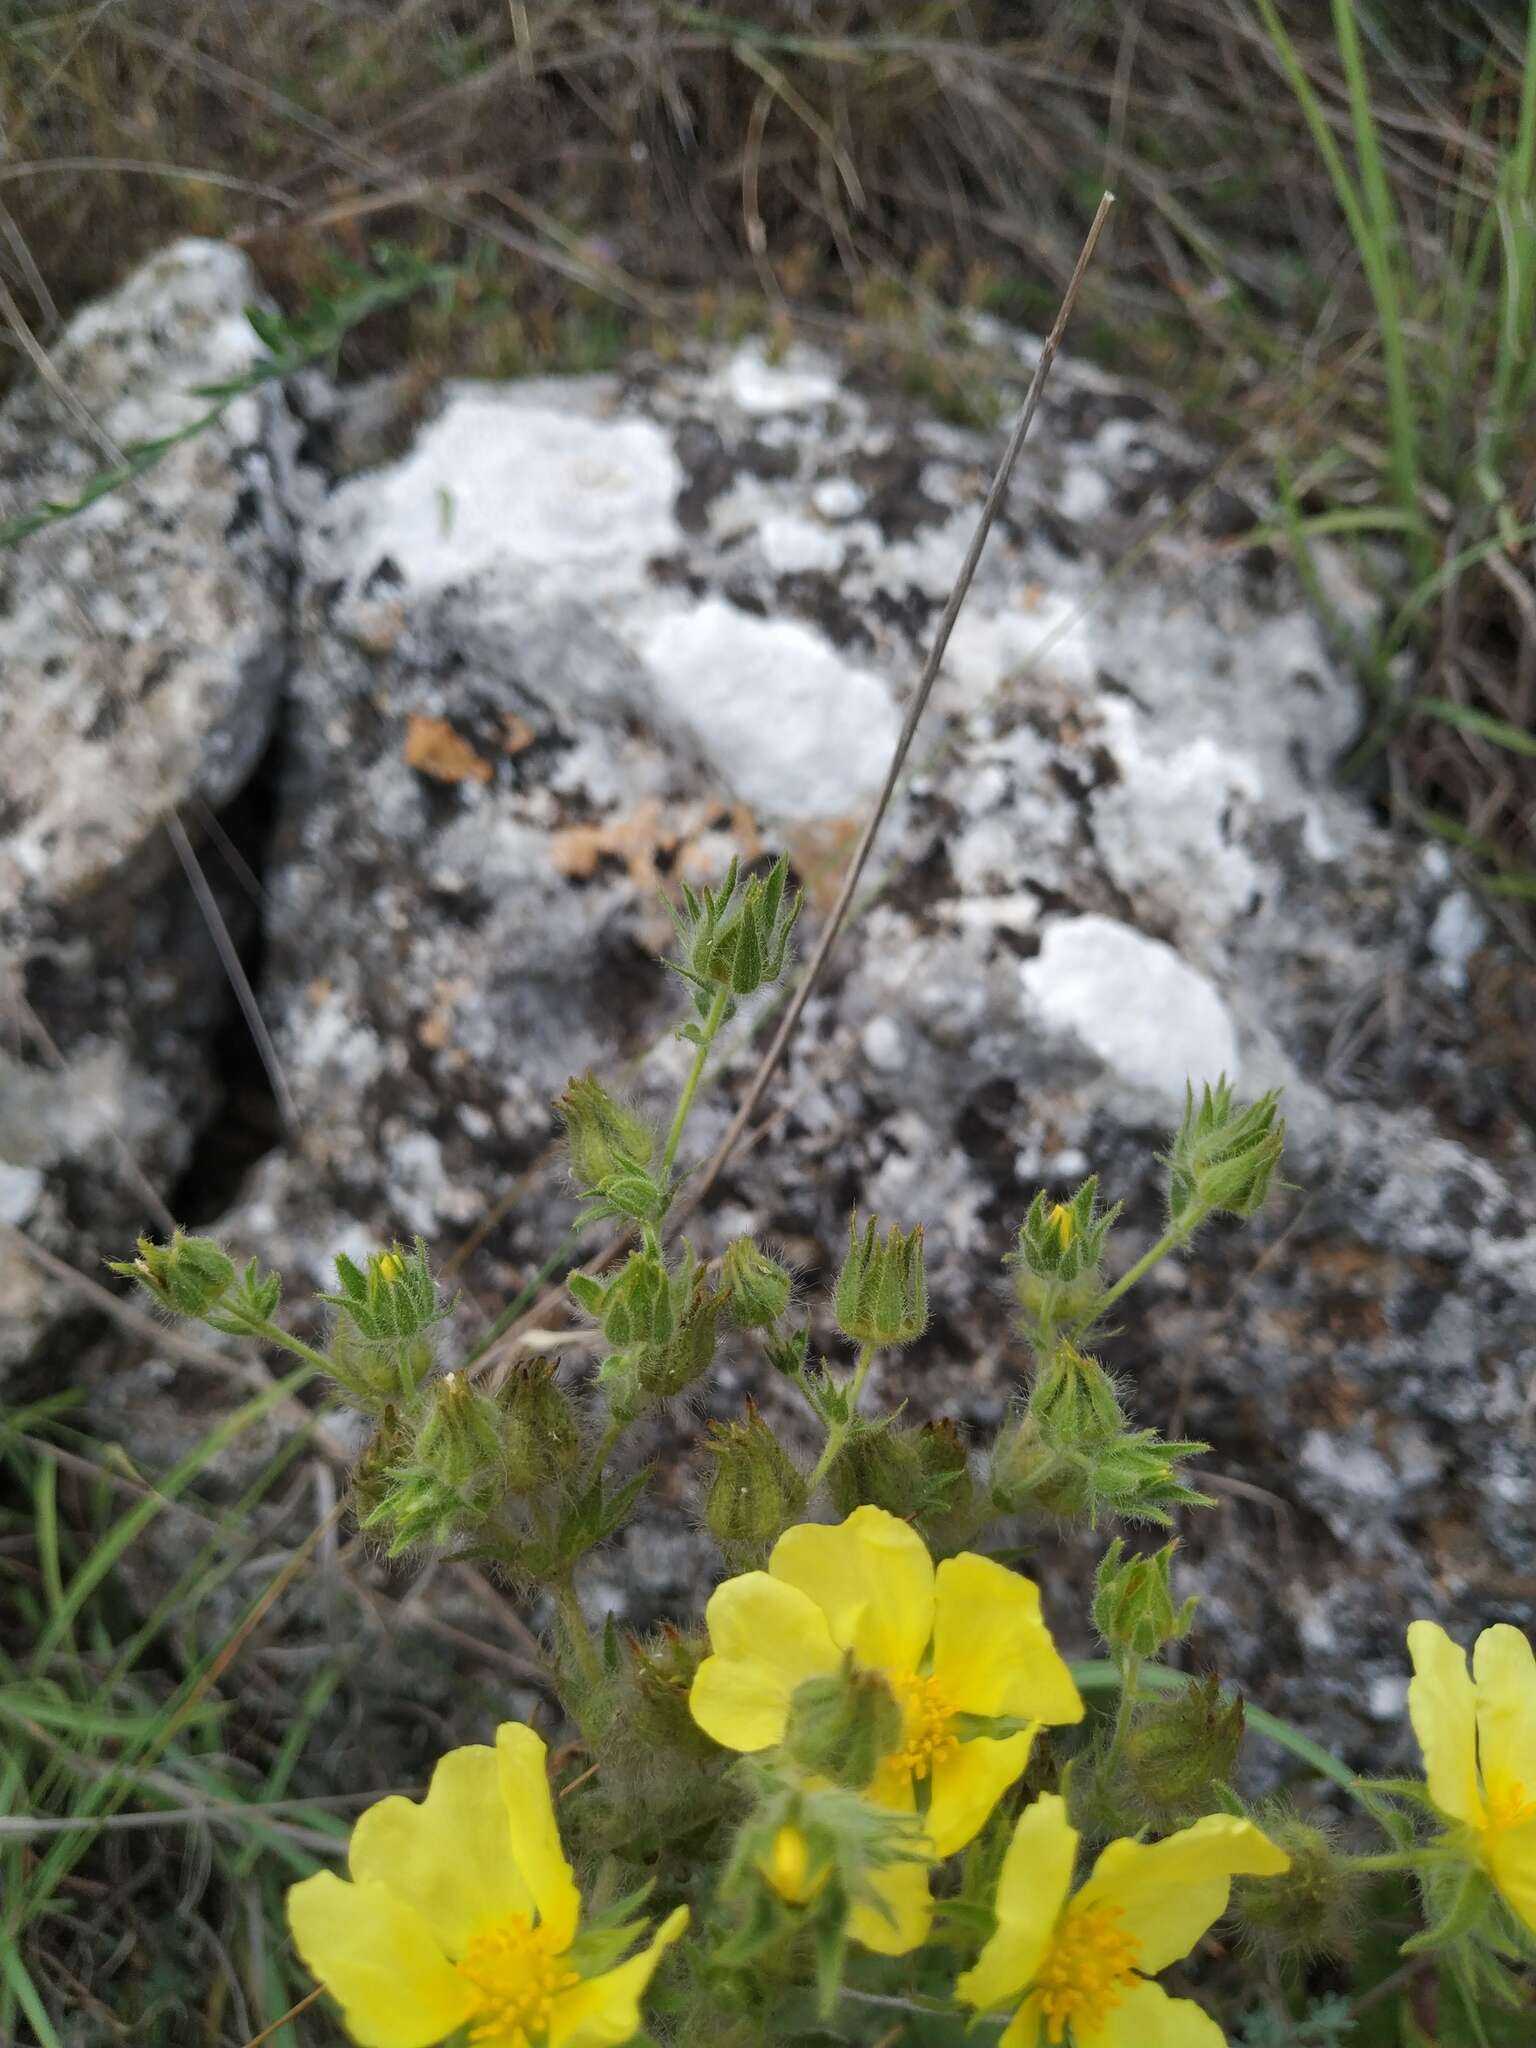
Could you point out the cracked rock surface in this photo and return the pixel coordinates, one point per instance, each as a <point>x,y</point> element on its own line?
<point>587,637</point>
<point>142,649</point>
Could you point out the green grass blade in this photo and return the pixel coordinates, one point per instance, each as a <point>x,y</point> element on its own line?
<point>1482,723</point>
<point>25,1991</point>
<point>132,1525</point>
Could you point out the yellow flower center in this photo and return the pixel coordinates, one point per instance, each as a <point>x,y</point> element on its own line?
<point>516,1976</point>
<point>1086,1972</point>
<point>926,1736</point>
<point>1506,1803</point>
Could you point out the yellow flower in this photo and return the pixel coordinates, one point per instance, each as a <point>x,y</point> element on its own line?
<point>1478,1735</point>
<point>462,1912</point>
<point>965,1639</point>
<point>1084,1960</point>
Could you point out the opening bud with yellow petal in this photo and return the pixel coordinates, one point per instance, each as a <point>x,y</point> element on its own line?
<point>1224,1154</point>
<point>1310,1914</point>
<point>1133,1605</point>
<point>759,1288</point>
<point>603,1137</point>
<point>190,1276</point>
<point>841,1726</point>
<point>540,1432</point>
<point>1064,1241</point>
<point>882,1290</point>
<point>754,1493</point>
<point>395,1297</point>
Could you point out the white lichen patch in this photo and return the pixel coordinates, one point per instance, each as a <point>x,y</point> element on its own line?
<point>782,719</point>
<point>1152,1021</point>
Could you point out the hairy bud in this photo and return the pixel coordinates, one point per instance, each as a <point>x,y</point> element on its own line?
<point>459,1441</point>
<point>1224,1155</point>
<point>755,1491</point>
<point>758,1287</point>
<point>879,1466</point>
<point>840,1727</point>
<point>540,1434</point>
<point>1133,1605</point>
<point>1311,1913</point>
<point>882,1292</point>
<point>189,1276</point>
<point>1180,1746</point>
<point>735,941</point>
<point>1072,1453</point>
<point>791,1868</point>
<point>603,1137</point>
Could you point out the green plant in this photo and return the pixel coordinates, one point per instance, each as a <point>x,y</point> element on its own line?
<point>872,1778</point>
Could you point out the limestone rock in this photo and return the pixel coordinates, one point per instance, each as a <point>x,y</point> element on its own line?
<point>672,616</point>
<point>142,646</point>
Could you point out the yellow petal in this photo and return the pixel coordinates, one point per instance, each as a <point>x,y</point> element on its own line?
<point>377,1957</point>
<point>968,1783</point>
<point>451,1857</point>
<point>1171,1891</point>
<point>1032,1889</point>
<point>1511,1856</point>
<point>522,1764</point>
<point>1441,1708</point>
<point>605,2010</point>
<point>767,1638</point>
<point>992,1652</point>
<point>1147,2017</point>
<point>1504,1672</point>
<point>1023,2030</point>
<point>903,1889</point>
<point>872,1578</point>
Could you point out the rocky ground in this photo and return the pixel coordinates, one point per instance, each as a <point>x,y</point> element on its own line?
<point>446,704</point>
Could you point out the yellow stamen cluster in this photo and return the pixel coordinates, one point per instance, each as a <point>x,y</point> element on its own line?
<point>1090,1963</point>
<point>1507,1804</point>
<point>517,1979</point>
<point>926,1738</point>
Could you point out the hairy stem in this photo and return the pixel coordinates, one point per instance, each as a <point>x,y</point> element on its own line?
<point>574,1629</point>
<point>837,1432</point>
<point>712,1023</point>
<point>1173,1239</point>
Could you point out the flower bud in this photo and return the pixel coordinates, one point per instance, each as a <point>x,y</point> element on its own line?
<point>459,1442</point>
<point>669,1368</point>
<point>755,1491</point>
<point>540,1434</point>
<point>1064,1241</point>
<point>882,1293</point>
<point>603,1137</point>
<point>1223,1156</point>
<point>840,1727</point>
<point>736,942</point>
<point>1071,1452</point>
<point>189,1276</point>
<point>376,1469</point>
<point>1133,1607</point>
<point>757,1287</point>
<point>633,1308</point>
<point>790,1868</point>
<point>1180,1746</point>
<point>663,1669</point>
<point>1311,1912</point>
<point>788,1351</point>
<point>879,1466</point>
